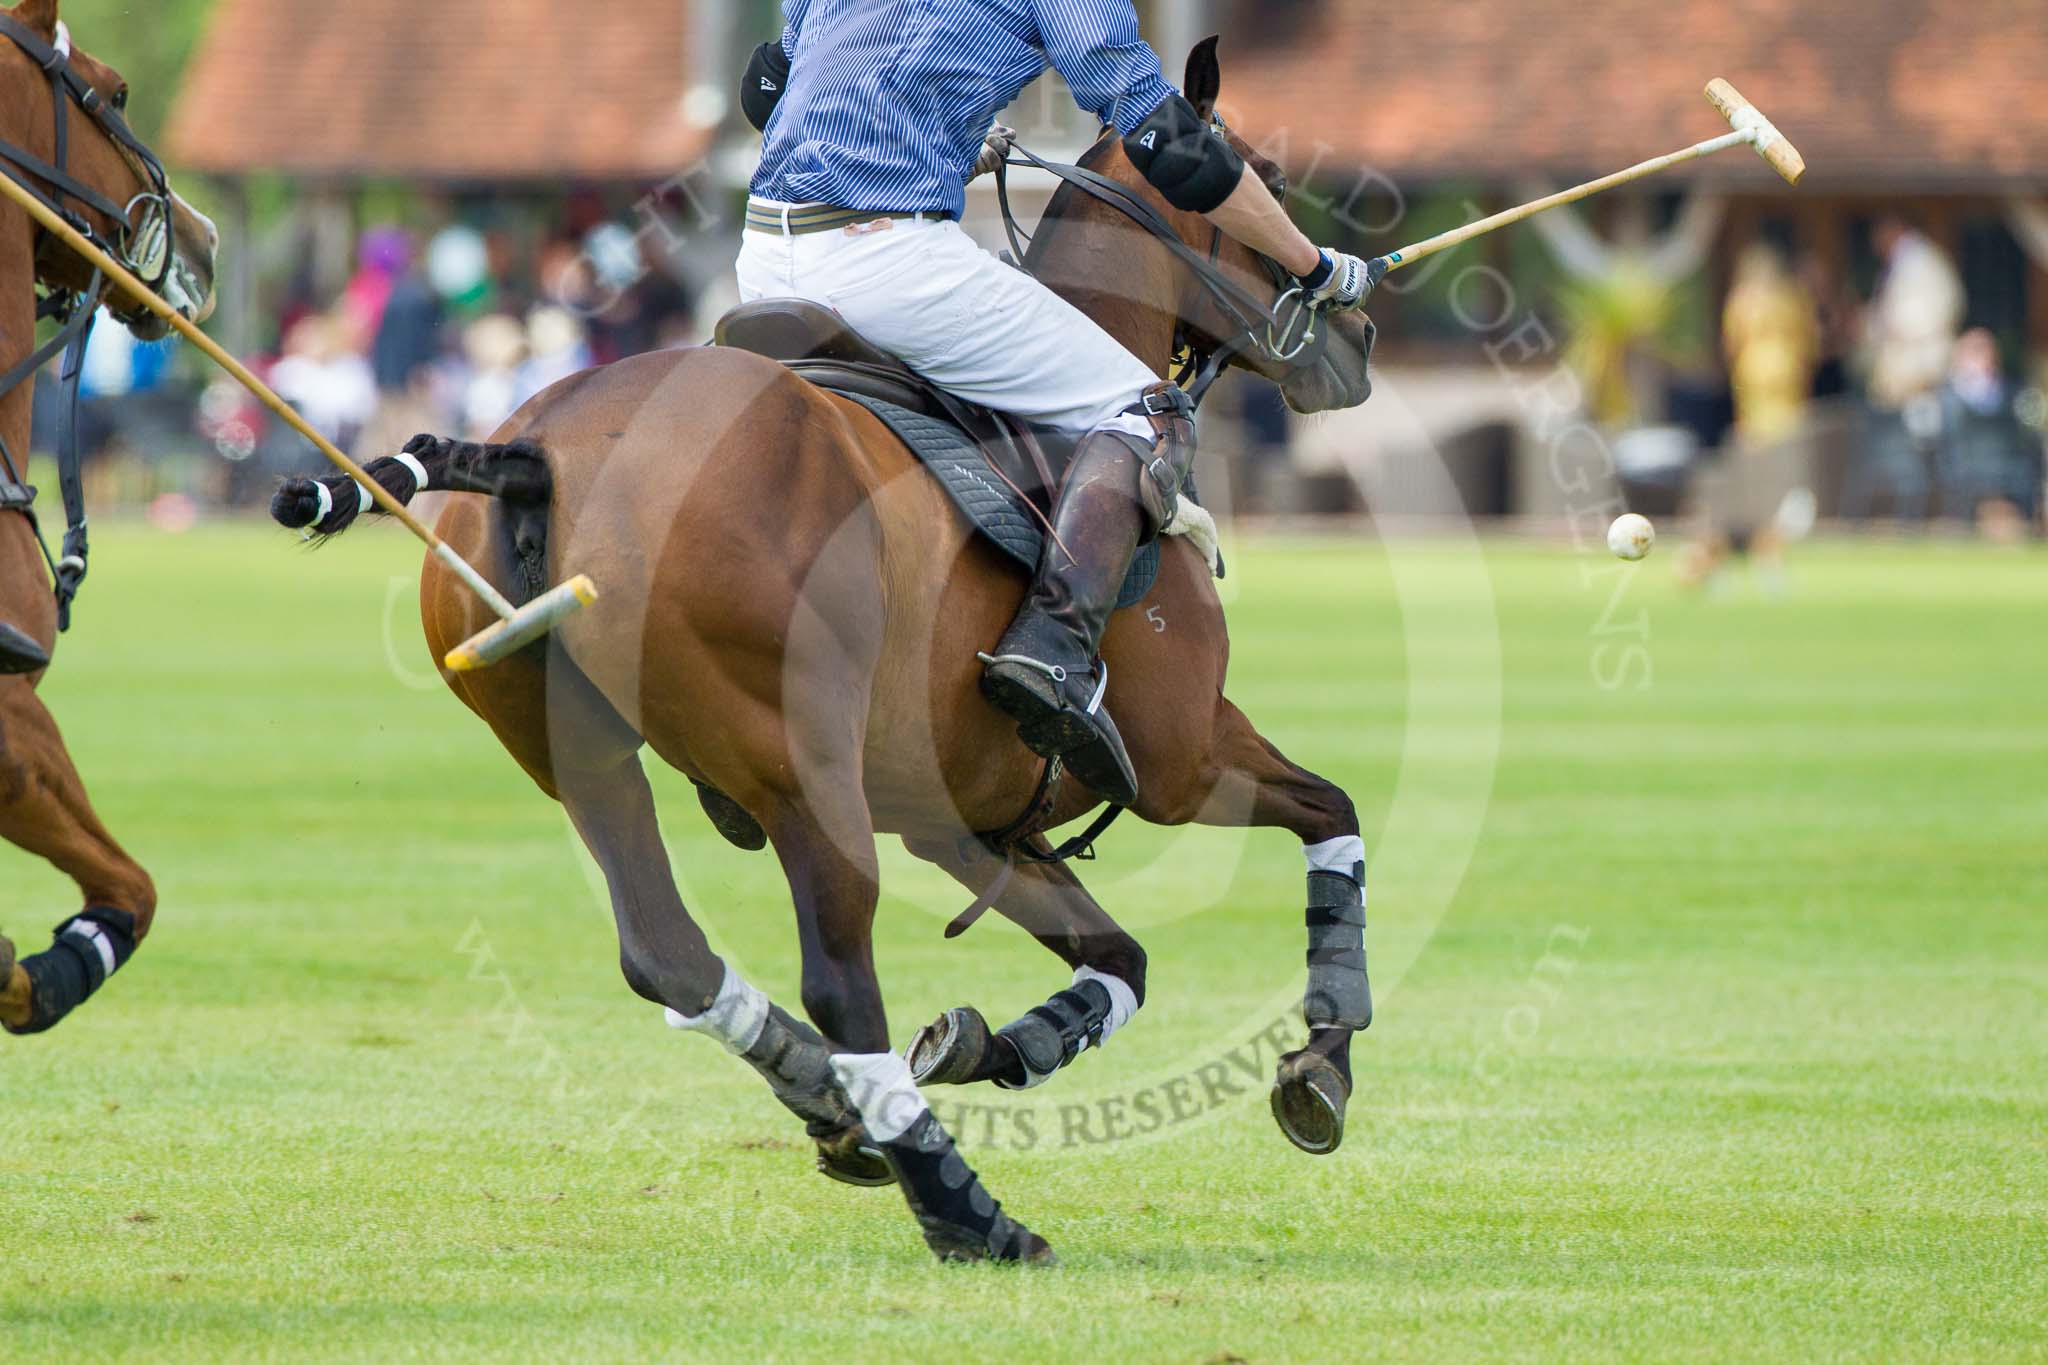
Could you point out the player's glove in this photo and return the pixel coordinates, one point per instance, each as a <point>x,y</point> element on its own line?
<point>1341,282</point>
<point>994,152</point>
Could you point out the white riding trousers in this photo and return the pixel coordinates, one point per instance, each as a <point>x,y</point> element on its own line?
<point>923,291</point>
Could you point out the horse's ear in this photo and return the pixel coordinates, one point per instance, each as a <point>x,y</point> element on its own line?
<point>1204,80</point>
<point>40,15</point>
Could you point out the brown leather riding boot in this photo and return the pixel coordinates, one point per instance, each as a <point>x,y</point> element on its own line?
<point>1045,672</point>
<point>20,654</point>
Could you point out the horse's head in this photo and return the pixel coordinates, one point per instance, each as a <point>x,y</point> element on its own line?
<point>1144,293</point>
<point>1331,374</point>
<point>128,202</point>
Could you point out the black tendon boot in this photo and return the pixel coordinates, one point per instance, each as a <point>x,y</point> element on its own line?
<point>797,1065</point>
<point>960,1219</point>
<point>20,654</point>
<point>1045,673</point>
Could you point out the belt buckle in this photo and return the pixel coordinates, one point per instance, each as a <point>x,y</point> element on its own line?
<point>1164,402</point>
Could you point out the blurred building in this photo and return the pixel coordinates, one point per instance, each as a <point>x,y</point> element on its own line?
<point>1933,109</point>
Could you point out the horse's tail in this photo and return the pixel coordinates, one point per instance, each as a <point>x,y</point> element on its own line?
<point>516,472</point>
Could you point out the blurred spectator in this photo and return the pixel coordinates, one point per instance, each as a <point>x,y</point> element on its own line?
<point>1988,467</point>
<point>325,379</point>
<point>459,269</point>
<point>382,257</point>
<point>403,355</point>
<point>1770,334</point>
<point>556,349</point>
<point>1909,329</point>
<point>495,347</point>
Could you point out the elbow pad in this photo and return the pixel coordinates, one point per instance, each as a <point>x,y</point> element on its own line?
<point>761,88</point>
<point>1176,150</point>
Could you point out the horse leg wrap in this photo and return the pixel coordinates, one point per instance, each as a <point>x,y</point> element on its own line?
<point>88,948</point>
<point>960,1219</point>
<point>796,1063</point>
<point>1058,1031</point>
<point>1339,992</point>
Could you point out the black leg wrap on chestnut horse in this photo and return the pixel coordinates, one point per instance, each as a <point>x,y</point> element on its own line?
<point>88,948</point>
<point>961,1220</point>
<point>1054,1033</point>
<point>793,1059</point>
<point>1339,991</point>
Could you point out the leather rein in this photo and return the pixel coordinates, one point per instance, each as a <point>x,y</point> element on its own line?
<point>143,245</point>
<point>1285,331</point>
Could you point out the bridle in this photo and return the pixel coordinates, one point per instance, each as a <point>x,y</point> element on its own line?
<point>142,243</point>
<point>1285,332</point>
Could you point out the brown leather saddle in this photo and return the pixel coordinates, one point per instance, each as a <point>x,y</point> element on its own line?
<point>816,343</point>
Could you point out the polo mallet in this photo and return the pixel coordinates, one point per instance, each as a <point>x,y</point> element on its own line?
<point>517,626</point>
<point>1751,129</point>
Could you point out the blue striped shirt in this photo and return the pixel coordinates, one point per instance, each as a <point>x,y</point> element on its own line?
<point>888,100</point>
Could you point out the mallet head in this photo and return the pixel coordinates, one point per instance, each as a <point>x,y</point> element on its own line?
<point>1770,144</point>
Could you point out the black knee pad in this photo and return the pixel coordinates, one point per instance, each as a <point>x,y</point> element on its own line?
<point>88,948</point>
<point>761,88</point>
<point>1184,158</point>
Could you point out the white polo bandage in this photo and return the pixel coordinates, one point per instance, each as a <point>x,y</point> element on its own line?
<point>1341,855</point>
<point>1123,1001</point>
<point>736,1016</point>
<point>880,1087</point>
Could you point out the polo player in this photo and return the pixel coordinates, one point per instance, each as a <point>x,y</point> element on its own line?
<point>875,113</point>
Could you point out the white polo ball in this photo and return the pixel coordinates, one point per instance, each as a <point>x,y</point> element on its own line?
<point>1631,536</point>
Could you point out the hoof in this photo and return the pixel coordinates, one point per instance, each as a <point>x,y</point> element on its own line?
<point>1308,1102</point>
<point>730,819</point>
<point>15,991</point>
<point>961,1246</point>
<point>851,1159</point>
<point>951,1050</point>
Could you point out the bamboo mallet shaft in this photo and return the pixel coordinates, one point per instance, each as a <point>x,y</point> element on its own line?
<point>1751,129</point>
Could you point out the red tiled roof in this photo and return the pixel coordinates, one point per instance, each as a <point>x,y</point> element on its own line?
<point>439,89</point>
<point>1878,94</point>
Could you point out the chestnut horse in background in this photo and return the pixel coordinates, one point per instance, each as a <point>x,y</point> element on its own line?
<point>99,167</point>
<point>791,614</point>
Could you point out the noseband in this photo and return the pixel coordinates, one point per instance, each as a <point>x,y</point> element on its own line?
<point>1284,332</point>
<point>142,229</point>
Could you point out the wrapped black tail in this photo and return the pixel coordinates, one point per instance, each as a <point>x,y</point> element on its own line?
<point>516,472</point>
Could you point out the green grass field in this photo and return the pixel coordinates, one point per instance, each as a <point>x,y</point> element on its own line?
<point>1713,1004</point>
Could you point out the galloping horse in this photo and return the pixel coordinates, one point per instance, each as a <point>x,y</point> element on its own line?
<point>63,137</point>
<point>791,615</point>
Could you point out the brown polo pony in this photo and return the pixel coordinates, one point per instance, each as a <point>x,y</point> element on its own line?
<point>791,614</point>
<point>43,805</point>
